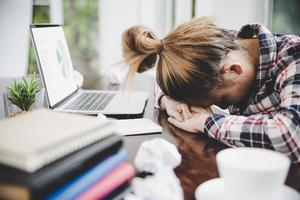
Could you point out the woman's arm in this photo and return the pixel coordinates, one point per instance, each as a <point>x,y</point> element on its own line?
<point>178,110</point>
<point>279,131</point>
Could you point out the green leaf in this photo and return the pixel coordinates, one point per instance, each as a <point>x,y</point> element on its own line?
<point>23,94</point>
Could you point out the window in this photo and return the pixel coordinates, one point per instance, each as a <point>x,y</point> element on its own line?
<point>286,17</point>
<point>80,19</point>
<point>40,15</point>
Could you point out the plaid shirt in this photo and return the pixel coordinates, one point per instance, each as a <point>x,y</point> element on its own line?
<point>271,118</point>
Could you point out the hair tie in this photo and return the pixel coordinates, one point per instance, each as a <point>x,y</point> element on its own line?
<point>161,48</point>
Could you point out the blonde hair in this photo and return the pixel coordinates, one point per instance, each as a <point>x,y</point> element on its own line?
<point>188,57</point>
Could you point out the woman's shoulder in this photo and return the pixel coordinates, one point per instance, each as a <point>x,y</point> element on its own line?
<point>288,45</point>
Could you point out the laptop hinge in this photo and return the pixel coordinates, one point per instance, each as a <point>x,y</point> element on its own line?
<point>64,100</point>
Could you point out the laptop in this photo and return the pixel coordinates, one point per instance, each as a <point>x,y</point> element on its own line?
<point>63,94</point>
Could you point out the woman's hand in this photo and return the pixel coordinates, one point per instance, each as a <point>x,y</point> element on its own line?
<point>194,124</point>
<point>177,110</point>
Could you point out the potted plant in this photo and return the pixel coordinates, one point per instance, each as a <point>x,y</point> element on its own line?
<point>23,94</point>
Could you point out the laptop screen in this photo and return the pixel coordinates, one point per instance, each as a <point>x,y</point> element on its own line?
<point>54,61</point>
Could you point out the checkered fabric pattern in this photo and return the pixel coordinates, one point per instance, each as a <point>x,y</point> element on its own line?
<point>271,118</point>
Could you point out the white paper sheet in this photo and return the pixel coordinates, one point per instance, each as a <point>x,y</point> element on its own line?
<point>136,126</point>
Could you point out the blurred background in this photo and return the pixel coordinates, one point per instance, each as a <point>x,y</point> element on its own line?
<point>93,28</point>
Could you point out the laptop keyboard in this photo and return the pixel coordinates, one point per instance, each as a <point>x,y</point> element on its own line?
<point>90,101</point>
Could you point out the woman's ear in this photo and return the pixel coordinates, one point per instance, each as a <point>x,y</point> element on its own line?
<point>233,67</point>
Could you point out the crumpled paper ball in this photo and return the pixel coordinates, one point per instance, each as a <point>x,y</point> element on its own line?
<point>155,154</point>
<point>131,196</point>
<point>159,157</point>
<point>163,185</point>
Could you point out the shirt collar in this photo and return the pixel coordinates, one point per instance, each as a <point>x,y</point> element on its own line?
<point>268,50</point>
<point>267,58</point>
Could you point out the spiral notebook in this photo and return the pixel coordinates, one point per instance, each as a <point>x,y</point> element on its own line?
<point>35,139</point>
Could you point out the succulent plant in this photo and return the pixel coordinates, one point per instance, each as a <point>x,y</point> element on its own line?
<point>23,94</point>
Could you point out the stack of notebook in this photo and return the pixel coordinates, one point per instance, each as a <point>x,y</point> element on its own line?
<point>50,155</point>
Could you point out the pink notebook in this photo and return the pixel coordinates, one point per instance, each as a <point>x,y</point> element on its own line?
<point>110,182</point>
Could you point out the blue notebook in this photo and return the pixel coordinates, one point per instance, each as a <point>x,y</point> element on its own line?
<point>80,184</point>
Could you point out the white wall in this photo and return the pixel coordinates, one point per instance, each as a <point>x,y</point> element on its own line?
<point>183,11</point>
<point>15,17</point>
<point>233,14</point>
<point>117,15</point>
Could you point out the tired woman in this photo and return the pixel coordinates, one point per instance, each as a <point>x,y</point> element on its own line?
<point>253,73</point>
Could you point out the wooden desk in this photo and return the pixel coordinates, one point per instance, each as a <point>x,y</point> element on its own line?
<point>198,156</point>
<point>198,152</point>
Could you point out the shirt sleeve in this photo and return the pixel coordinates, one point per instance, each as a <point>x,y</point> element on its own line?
<point>278,131</point>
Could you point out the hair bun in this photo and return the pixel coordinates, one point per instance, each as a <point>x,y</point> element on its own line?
<point>140,48</point>
<point>143,40</point>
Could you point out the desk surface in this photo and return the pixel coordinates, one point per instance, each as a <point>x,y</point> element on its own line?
<point>198,152</point>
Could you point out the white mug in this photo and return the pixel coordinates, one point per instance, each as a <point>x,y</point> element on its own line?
<point>252,173</point>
